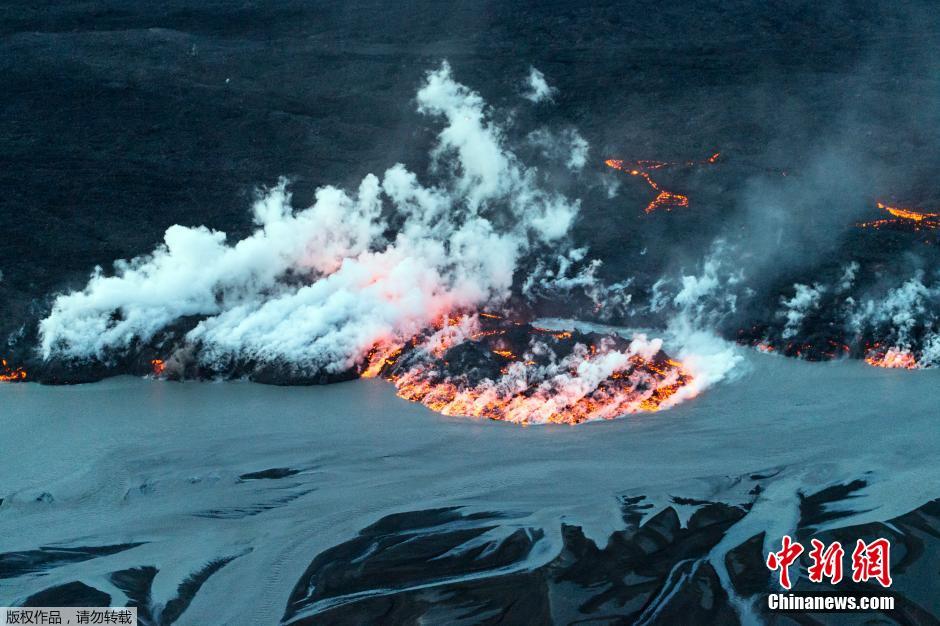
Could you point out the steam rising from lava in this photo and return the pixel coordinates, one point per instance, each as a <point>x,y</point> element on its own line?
<point>319,287</point>
<point>384,281</point>
<point>484,366</point>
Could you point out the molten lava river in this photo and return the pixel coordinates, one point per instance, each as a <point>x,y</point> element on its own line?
<point>486,366</point>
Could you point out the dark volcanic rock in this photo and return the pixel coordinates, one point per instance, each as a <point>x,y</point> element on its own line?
<point>13,564</point>
<point>75,593</point>
<point>433,565</point>
<point>274,473</point>
<point>446,566</point>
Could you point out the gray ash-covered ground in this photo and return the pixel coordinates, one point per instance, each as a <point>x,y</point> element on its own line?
<point>253,504</point>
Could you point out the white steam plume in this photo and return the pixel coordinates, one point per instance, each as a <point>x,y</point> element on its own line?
<point>318,287</point>
<point>803,301</point>
<point>907,316</point>
<point>696,303</point>
<point>536,88</point>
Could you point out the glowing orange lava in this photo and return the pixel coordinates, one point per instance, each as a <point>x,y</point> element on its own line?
<point>664,200</point>
<point>539,376</point>
<point>380,357</point>
<point>158,367</point>
<point>903,217</point>
<point>10,374</point>
<point>893,358</point>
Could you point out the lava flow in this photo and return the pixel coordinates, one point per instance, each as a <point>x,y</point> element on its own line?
<point>10,374</point>
<point>893,358</point>
<point>158,367</point>
<point>905,218</point>
<point>489,367</point>
<point>664,200</point>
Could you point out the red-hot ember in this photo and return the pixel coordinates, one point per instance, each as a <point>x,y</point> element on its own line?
<point>664,200</point>
<point>484,366</point>
<point>158,367</point>
<point>10,374</point>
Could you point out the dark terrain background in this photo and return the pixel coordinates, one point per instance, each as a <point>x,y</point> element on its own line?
<point>122,118</point>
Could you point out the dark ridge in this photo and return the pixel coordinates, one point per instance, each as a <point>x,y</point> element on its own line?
<point>188,589</point>
<point>75,593</point>
<point>136,583</point>
<point>616,583</point>
<point>656,572</point>
<point>274,473</point>
<point>407,549</point>
<point>693,588</point>
<point>689,501</point>
<point>13,564</point>
<point>256,509</point>
<point>813,507</point>
<point>746,566</point>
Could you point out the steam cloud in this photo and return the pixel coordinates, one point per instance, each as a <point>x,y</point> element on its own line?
<point>805,298</point>
<point>537,88</point>
<point>318,287</point>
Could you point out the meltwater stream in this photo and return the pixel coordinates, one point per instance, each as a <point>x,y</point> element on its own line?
<point>239,503</point>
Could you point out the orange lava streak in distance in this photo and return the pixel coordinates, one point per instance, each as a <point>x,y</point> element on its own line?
<point>907,214</point>
<point>665,200</point>
<point>917,220</point>
<point>10,374</point>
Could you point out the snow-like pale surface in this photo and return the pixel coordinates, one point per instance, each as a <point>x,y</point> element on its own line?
<point>134,460</point>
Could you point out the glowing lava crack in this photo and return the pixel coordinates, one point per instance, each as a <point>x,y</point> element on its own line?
<point>664,200</point>
<point>491,368</point>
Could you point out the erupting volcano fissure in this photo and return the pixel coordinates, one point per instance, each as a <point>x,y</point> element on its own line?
<point>911,219</point>
<point>11,374</point>
<point>664,200</point>
<point>486,366</point>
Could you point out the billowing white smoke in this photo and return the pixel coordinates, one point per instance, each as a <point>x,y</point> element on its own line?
<point>848,276</point>
<point>536,88</point>
<point>805,299</point>
<point>703,299</point>
<point>696,303</point>
<point>905,311</point>
<point>318,287</point>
